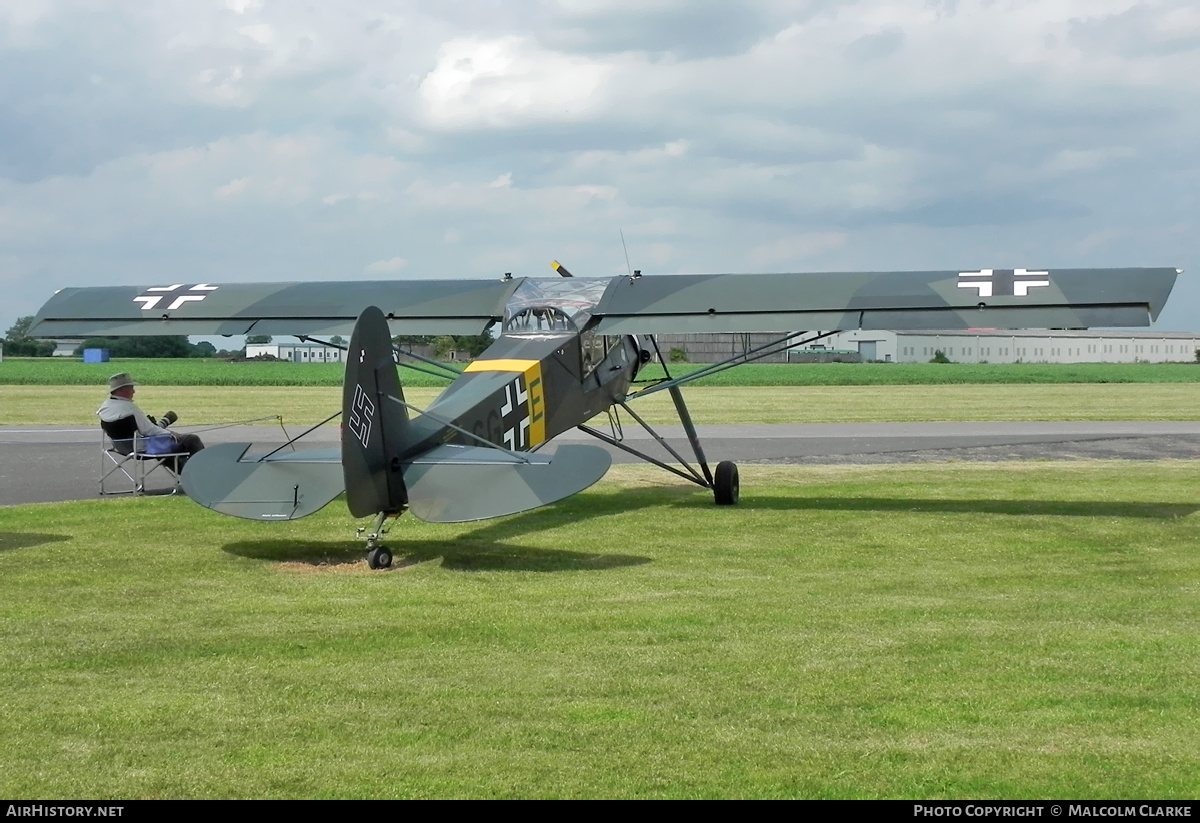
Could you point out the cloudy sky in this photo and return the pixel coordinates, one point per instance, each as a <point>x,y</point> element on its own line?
<point>237,140</point>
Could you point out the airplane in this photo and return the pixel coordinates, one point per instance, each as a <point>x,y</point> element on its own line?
<point>568,349</point>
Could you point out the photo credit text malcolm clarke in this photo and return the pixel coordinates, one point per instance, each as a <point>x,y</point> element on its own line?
<point>1060,809</point>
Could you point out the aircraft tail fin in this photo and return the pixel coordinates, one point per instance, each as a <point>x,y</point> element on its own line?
<point>374,427</point>
<point>455,484</point>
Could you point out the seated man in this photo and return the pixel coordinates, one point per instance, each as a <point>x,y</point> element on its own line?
<point>121,418</point>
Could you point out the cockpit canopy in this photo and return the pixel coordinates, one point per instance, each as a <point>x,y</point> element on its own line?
<point>552,307</point>
<point>538,320</point>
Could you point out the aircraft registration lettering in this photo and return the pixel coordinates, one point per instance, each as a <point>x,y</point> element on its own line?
<point>537,405</point>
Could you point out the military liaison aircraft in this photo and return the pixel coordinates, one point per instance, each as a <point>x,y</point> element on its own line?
<point>568,349</point>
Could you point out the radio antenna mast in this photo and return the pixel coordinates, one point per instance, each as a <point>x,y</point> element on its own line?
<point>626,248</point>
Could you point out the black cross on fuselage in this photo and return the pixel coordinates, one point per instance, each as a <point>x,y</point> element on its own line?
<point>514,414</point>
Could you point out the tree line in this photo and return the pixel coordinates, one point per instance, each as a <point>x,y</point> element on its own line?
<point>18,343</point>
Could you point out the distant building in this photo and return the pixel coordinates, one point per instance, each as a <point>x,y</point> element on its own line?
<point>65,348</point>
<point>1015,346</point>
<point>296,352</point>
<point>978,346</point>
<point>714,348</point>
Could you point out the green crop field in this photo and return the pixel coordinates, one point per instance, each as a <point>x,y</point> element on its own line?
<point>949,631</point>
<point>70,372</point>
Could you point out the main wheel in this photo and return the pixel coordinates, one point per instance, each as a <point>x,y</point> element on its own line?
<point>379,557</point>
<point>725,483</point>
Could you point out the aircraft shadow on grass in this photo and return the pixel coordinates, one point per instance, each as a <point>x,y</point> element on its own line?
<point>25,540</point>
<point>1060,508</point>
<point>484,548</point>
<point>487,548</point>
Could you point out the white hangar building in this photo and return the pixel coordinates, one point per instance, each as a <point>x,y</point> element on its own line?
<point>1015,346</point>
<point>296,352</point>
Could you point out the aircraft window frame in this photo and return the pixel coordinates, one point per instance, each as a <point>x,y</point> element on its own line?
<point>573,298</point>
<point>539,320</point>
<point>599,346</point>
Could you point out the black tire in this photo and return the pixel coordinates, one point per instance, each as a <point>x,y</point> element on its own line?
<point>379,557</point>
<point>725,483</point>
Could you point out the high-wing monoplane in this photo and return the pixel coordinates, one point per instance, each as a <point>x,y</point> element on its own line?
<point>568,349</point>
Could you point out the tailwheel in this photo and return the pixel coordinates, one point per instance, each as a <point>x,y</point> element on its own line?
<point>379,557</point>
<point>725,483</point>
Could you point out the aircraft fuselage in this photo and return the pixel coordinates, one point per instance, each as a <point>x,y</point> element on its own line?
<point>528,388</point>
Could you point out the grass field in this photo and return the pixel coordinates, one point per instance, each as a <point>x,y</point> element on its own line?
<point>49,391</point>
<point>999,631</point>
<point>76,405</point>
<point>70,372</point>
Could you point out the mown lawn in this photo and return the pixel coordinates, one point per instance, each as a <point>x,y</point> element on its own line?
<point>300,405</point>
<point>998,631</point>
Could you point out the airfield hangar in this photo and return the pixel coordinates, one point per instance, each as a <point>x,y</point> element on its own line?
<point>973,346</point>
<point>1010,346</point>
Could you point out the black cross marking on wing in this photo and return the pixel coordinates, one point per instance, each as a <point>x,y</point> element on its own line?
<point>1003,282</point>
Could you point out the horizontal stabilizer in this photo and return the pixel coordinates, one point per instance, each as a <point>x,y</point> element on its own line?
<point>455,484</point>
<point>285,486</point>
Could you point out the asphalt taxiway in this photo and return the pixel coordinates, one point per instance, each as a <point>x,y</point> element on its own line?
<point>53,464</point>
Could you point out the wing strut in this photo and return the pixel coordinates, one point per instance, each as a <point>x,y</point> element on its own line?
<point>297,437</point>
<point>686,419</point>
<point>765,350</point>
<point>449,373</point>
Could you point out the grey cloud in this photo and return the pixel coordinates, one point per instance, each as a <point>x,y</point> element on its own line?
<point>958,168</point>
<point>987,210</point>
<point>63,112</point>
<point>1132,33</point>
<point>684,29</point>
<point>875,46</point>
<point>690,31</point>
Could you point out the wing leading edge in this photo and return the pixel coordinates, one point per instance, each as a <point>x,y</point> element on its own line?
<point>417,307</point>
<point>985,298</point>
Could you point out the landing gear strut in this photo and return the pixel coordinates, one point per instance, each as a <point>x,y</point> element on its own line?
<point>724,482</point>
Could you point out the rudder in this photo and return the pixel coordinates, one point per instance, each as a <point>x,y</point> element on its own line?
<point>373,426</point>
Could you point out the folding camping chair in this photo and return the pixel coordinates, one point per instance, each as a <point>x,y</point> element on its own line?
<point>124,463</point>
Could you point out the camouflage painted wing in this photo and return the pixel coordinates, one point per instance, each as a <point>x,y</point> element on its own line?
<point>986,298</point>
<point>417,307</point>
